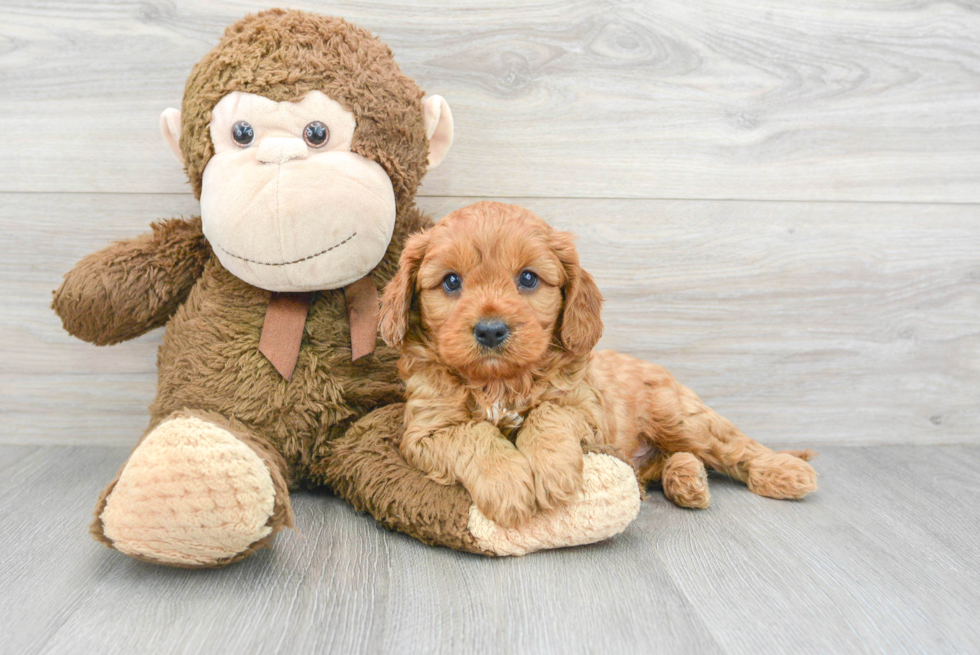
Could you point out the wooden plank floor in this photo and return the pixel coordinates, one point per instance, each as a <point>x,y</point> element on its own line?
<point>883,558</point>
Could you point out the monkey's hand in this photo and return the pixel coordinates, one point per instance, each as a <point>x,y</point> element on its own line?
<point>133,286</point>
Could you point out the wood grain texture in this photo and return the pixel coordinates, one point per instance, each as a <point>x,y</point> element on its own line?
<point>802,322</point>
<point>874,558</point>
<point>778,99</point>
<point>881,559</point>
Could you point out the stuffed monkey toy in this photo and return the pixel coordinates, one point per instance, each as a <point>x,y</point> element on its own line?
<point>305,144</point>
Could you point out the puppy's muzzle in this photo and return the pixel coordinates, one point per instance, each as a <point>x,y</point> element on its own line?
<point>490,333</point>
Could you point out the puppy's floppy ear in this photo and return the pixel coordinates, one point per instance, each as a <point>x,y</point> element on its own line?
<point>581,320</point>
<point>397,300</point>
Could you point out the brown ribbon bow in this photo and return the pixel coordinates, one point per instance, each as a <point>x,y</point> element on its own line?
<point>285,318</point>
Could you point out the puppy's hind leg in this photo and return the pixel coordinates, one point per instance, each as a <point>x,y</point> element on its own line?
<point>685,481</point>
<point>723,447</point>
<point>681,475</point>
<point>677,421</point>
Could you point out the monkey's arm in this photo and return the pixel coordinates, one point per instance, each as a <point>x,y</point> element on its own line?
<point>365,467</point>
<point>133,286</point>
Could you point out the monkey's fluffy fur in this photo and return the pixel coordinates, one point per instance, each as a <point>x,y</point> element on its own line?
<point>510,422</point>
<point>319,428</point>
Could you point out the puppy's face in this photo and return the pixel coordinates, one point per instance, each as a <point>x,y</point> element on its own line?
<point>490,296</point>
<point>495,287</point>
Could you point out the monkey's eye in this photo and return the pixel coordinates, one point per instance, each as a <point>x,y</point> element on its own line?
<point>452,282</point>
<point>527,280</point>
<point>242,133</point>
<point>316,134</point>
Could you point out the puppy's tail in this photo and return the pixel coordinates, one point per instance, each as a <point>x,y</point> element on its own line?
<point>807,455</point>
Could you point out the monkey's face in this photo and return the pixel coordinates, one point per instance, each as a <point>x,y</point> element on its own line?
<point>285,204</point>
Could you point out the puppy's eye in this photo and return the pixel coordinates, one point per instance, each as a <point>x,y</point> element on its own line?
<point>452,282</point>
<point>527,280</point>
<point>242,133</point>
<point>316,134</point>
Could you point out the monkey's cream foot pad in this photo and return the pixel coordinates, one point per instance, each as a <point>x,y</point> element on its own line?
<point>608,502</point>
<point>191,494</point>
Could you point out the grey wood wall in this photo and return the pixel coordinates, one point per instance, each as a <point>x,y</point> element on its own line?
<point>780,199</point>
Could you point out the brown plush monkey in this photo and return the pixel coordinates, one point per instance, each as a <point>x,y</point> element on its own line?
<point>305,144</point>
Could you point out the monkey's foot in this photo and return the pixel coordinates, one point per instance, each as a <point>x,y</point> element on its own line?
<point>192,495</point>
<point>608,502</point>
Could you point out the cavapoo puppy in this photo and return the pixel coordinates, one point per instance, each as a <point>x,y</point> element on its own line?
<point>497,322</point>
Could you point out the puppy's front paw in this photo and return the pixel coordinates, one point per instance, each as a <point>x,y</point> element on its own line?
<point>557,473</point>
<point>610,499</point>
<point>504,489</point>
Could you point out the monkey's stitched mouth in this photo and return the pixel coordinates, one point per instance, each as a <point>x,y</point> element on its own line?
<point>295,261</point>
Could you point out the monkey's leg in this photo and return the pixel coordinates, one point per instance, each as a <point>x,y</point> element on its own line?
<point>366,468</point>
<point>198,491</point>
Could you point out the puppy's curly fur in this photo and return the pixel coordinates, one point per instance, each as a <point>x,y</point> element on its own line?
<point>510,420</point>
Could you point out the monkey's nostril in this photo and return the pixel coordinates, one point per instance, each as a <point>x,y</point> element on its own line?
<point>490,334</point>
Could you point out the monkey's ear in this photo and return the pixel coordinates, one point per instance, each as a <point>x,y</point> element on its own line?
<point>438,128</point>
<point>170,128</point>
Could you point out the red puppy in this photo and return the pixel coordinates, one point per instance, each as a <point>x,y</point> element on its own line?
<point>497,323</point>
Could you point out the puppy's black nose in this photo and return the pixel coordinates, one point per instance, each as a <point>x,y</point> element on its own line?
<point>490,334</point>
